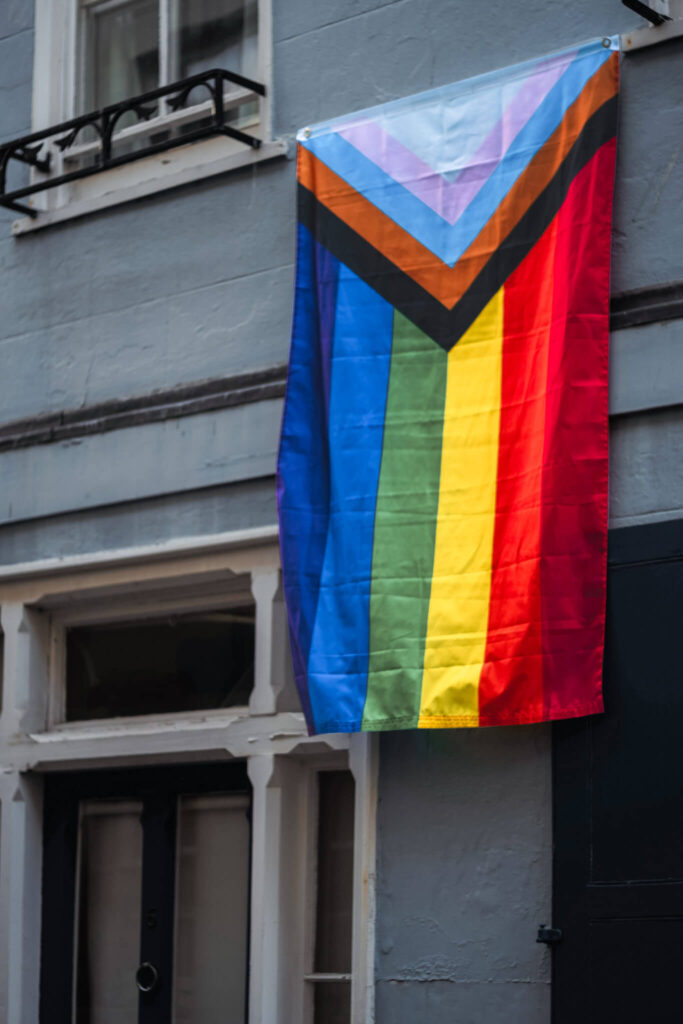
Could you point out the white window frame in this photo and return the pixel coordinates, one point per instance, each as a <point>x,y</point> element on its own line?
<point>55,75</point>
<point>36,601</point>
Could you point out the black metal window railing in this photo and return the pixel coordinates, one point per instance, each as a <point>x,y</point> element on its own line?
<point>36,149</point>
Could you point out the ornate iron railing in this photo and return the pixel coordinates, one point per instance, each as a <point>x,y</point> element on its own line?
<point>35,149</point>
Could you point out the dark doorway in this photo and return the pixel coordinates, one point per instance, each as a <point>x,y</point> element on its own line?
<point>618,803</point>
<point>146,896</point>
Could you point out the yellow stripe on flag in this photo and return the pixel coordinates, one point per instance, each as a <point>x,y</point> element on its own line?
<point>461,583</point>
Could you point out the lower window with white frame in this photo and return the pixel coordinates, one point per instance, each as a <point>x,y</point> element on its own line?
<point>200,860</point>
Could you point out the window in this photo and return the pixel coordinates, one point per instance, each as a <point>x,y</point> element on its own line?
<point>181,845</point>
<point>188,662</point>
<point>90,53</point>
<point>128,47</point>
<point>120,45</point>
<point>147,654</point>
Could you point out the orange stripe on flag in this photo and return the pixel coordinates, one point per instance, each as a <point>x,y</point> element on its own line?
<point>448,284</point>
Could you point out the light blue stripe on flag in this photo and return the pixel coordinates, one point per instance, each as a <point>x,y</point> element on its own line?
<point>448,242</point>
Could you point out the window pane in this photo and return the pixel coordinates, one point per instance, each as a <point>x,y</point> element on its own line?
<point>212,902</point>
<point>121,51</point>
<point>216,34</point>
<point>180,663</point>
<point>332,1002</point>
<point>335,873</point>
<point>109,890</point>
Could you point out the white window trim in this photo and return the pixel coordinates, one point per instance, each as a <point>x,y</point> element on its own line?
<point>280,759</point>
<point>54,95</point>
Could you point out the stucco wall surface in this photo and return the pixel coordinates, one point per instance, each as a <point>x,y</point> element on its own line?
<point>464,876</point>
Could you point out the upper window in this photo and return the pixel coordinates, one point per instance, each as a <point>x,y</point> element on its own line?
<point>129,47</point>
<point>90,54</point>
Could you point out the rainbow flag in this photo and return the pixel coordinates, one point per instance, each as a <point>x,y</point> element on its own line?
<point>442,476</point>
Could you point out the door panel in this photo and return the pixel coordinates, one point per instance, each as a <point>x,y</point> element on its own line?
<point>109,890</point>
<point>618,803</point>
<point>110,887</point>
<point>211,909</point>
<point>634,965</point>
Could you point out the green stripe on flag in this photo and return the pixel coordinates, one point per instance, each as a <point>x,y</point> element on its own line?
<point>405,528</point>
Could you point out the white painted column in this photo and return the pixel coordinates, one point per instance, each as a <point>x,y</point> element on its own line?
<point>265,891</point>
<point>274,688</point>
<point>277,889</point>
<point>364,765</point>
<point>264,586</point>
<point>24,703</point>
<point>25,680</point>
<point>20,890</point>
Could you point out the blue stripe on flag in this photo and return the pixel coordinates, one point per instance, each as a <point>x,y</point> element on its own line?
<point>360,375</point>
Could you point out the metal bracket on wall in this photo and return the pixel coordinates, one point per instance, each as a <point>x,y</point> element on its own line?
<point>654,17</point>
<point>651,35</point>
<point>35,149</point>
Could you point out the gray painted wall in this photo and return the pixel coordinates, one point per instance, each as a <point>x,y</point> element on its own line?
<point>464,876</point>
<point>197,284</point>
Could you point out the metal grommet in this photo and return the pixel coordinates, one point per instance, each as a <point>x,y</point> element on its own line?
<point>606,42</point>
<point>307,133</point>
<point>146,977</point>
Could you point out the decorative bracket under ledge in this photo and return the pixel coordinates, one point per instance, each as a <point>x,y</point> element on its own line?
<point>36,149</point>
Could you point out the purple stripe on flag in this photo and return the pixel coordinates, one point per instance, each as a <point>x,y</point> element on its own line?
<point>326,271</point>
<point>450,198</point>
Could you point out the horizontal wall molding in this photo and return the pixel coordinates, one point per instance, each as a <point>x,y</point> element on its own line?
<point>628,309</point>
<point>647,305</point>
<point>173,403</point>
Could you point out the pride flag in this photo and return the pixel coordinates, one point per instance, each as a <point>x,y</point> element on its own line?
<point>442,476</point>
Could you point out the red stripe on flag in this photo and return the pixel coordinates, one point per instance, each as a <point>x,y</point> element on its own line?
<point>511,683</point>
<point>574,528</point>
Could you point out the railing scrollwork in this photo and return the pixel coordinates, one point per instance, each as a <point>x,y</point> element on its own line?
<point>36,149</point>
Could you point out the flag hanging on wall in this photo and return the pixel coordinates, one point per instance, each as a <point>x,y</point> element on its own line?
<point>442,476</point>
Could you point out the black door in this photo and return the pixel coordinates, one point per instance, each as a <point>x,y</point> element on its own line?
<point>618,803</point>
<point>145,896</point>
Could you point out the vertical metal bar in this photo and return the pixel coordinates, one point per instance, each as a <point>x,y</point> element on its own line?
<point>218,106</point>
<point>164,55</point>
<point>264,45</point>
<point>159,823</point>
<point>173,39</point>
<point>106,128</point>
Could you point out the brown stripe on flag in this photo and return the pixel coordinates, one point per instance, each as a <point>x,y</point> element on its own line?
<point>448,284</point>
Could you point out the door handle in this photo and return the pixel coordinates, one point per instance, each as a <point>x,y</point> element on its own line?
<point>551,936</point>
<point>146,977</point>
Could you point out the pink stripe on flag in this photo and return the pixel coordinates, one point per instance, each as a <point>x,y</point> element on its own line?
<point>450,198</point>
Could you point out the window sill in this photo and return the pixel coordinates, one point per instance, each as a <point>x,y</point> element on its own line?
<point>150,176</point>
<point>171,739</point>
